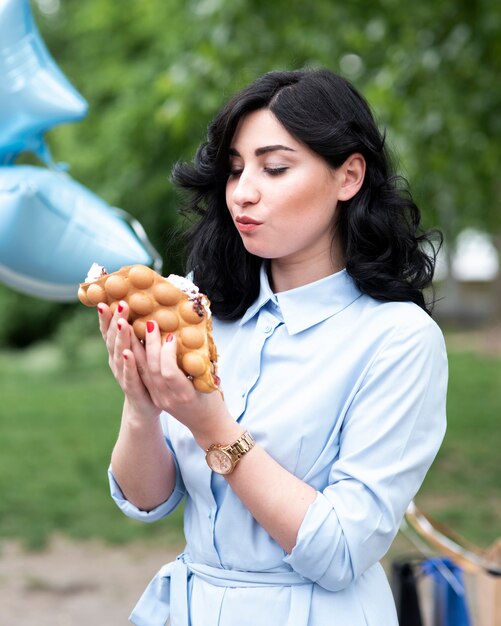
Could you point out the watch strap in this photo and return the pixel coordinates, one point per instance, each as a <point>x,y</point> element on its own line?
<point>234,451</point>
<point>240,447</point>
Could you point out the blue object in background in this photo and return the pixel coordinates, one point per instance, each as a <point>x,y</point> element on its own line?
<point>449,596</point>
<point>34,94</point>
<point>52,229</point>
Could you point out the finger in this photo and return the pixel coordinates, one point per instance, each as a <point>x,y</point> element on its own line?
<point>108,330</point>
<point>122,341</point>
<point>104,317</point>
<point>121,312</point>
<point>139,352</point>
<point>168,364</point>
<point>152,347</point>
<point>133,386</point>
<point>131,378</point>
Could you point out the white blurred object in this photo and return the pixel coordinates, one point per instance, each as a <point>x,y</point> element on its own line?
<point>474,260</point>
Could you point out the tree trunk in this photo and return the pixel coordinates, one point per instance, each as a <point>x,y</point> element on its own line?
<point>496,240</point>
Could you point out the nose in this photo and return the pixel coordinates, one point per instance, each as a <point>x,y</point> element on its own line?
<point>243,190</point>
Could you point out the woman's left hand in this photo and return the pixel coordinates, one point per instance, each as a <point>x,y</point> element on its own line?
<point>205,414</point>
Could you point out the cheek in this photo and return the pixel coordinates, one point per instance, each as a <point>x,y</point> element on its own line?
<point>321,200</point>
<point>228,195</point>
<point>306,203</point>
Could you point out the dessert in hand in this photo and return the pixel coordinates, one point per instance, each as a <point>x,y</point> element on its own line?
<point>175,303</point>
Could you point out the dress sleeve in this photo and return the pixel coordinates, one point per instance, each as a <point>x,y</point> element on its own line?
<point>162,510</point>
<point>390,435</point>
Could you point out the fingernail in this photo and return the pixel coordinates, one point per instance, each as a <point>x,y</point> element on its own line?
<point>125,356</point>
<point>120,324</point>
<point>100,309</point>
<point>169,337</point>
<point>150,327</point>
<point>120,308</point>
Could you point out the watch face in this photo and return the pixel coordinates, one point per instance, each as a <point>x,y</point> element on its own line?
<point>219,461</point>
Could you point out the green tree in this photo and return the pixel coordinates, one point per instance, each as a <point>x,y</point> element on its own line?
<point>154,72</point>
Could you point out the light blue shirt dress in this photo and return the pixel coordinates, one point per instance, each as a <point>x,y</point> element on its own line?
<point>345,392</point>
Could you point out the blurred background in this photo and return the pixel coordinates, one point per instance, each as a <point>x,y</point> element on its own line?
<point>154,72</point>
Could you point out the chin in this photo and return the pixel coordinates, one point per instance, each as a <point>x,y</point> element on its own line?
<point>254,249</point>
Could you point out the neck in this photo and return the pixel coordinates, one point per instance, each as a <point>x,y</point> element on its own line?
<point>287,274</point>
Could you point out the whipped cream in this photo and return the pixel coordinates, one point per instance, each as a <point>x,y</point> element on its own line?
<point>184,284</point>
<point>95,272</point>
<point>191,290</point>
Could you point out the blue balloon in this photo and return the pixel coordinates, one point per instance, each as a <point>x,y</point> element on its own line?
<point>34,94</point>
<point>52,229</point>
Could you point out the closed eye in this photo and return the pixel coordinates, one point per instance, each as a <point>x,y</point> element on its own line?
<point>275,171</point>
<point>272,171</point>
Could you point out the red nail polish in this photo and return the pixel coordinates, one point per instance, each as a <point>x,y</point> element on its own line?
<point>100,309</point>
<point>169,337</point>
<point>119,324</point>
<point>125,356</point>
<point>150,327</point>
<point>120,308</point>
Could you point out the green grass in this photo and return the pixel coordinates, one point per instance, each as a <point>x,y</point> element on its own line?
<point>463,487</point>
<point>59,416</point>
<point>58,424</point>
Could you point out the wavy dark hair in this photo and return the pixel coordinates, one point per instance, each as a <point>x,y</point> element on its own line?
<point>385,251</point>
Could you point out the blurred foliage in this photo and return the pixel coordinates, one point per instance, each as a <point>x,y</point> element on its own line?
<point>154,73</point>
<point>57,439</point>
<point>23,319</point>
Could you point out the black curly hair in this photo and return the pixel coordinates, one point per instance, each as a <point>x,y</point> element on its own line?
<point>386,253</point>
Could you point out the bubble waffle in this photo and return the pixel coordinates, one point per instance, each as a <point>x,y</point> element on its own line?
<point>174,303</point>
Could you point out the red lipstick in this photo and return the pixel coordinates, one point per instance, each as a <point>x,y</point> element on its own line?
<point>246,224</point>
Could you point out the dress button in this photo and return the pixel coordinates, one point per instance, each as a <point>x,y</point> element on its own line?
<point>267,328</point>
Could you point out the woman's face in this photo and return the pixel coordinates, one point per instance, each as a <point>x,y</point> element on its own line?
<point>281,195</point>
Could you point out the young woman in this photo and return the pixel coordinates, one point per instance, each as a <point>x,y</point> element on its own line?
<point>333,372</point>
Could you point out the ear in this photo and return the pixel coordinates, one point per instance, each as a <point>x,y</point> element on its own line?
<point>352,174</point>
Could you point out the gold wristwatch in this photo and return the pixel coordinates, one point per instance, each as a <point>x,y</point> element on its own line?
<point>223,459</point>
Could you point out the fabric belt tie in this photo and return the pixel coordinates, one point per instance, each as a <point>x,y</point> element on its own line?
<point>167,593</point>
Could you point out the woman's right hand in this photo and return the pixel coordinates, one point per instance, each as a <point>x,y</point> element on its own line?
<point>127,359</point>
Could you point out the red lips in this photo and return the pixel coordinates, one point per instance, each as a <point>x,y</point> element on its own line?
<point>245,219</point>
<point>246,224</point>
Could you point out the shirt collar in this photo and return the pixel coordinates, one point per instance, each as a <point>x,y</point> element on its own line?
<point>309,304</point>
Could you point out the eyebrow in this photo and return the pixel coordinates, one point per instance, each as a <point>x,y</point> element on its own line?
<point>264,150</point>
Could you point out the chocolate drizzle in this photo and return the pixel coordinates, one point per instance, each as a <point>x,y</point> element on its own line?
<point>198,307</point>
